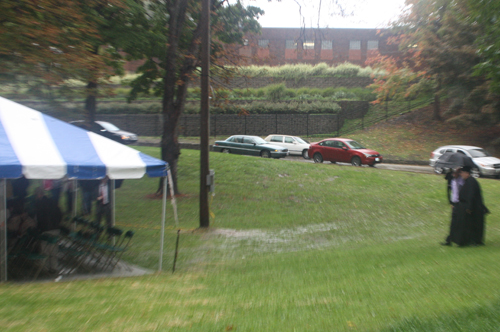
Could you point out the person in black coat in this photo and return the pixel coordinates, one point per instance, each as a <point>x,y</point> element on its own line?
<point>471,211</point>
<point>455,183</point>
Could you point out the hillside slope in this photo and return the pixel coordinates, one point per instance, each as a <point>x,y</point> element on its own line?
<point>413,136</point>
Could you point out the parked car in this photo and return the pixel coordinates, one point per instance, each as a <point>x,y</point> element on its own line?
<point>250,145</point>
<point>295,145</point>
<point>487,165</point>
<point>343,150</point>
<point>108,130</point>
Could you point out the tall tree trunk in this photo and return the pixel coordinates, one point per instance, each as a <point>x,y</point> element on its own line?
<point>170,147</point>
<point>91,102</point>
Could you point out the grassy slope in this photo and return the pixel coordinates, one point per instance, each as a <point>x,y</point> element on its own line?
<point>293,246</point>
<point>415,135</point>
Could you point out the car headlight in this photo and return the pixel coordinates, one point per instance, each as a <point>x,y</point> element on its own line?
<point>369,155</point>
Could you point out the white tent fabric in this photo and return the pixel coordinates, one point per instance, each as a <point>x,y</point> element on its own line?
<point>39,146</point>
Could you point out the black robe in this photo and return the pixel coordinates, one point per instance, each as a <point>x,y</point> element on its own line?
<point>469,228</point>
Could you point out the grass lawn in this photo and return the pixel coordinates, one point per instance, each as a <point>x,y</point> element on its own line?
<point>292,247</point>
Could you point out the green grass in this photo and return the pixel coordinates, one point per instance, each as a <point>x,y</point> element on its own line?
<point>292,247</point>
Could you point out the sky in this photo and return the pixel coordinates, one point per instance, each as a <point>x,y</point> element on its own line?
<point>365,13</point>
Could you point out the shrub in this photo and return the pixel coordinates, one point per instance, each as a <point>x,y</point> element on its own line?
<point>276,91</point>
<point>346,69</point>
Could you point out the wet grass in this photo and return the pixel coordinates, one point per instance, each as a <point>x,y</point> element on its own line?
<point>292,247</point>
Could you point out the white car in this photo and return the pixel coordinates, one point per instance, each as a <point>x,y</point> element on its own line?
<point>294,144</point>
<point>487,165</point>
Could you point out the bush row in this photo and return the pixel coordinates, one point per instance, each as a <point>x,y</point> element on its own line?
<point>301,71</point>
<point>255,107</point>
<point>280,92</point>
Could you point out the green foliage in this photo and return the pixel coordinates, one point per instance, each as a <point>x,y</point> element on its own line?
<point>126,108</point>
<point>298,72</point>
<point>345,70</point>
<point>269,107</point>
<point>276,92</point>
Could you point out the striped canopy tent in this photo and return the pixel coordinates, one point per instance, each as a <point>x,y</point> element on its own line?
<point>39,146</point>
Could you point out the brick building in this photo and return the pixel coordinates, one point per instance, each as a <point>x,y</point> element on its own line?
<point>278,46</point>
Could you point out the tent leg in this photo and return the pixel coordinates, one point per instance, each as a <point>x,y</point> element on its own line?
<point>172,198</point>
<point>163,222</point>
<point>74,192</point>
<point>3,230</point>
<point>113,204</point>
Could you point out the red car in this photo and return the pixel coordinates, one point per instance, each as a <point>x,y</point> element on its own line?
<point>343,150</point>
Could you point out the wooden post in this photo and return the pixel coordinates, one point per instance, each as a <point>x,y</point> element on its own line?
<point>204,113</point>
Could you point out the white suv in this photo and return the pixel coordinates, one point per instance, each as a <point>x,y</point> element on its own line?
<point>294,144</point>
<point>487,165</point>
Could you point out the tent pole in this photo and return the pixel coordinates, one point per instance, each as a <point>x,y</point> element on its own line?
<point>163,220</point>
<point>74,193</point>
<point>3,230</point>
<point>113,196</point>
<point>172,198</point>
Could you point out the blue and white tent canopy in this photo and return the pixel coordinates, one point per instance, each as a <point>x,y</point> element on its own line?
<point>39,146</point>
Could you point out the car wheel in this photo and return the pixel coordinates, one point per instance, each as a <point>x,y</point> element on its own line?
<point>318,158</point>
<point>265,154</point>
<point>475,173</point>
<point>225,151</point>
<point>356,161</point>
<point>305,154</point>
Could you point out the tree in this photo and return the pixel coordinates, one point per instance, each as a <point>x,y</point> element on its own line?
<point>437,40</point>
<point>44,39</point>
<point>51,41</point>
<point>484,15</point>
<point>171,51</point>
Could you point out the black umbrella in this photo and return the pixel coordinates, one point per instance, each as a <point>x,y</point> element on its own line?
<point>454,159</point>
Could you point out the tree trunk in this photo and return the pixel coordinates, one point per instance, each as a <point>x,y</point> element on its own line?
<point>91,102</point>
<point>170,147</point>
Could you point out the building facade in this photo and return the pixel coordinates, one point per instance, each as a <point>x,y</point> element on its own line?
<point>279,46</point>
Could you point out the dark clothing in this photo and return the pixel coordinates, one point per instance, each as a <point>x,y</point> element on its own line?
<point>48,214</point>
<point>103,205</point>
<point>20,188</point>
<point>454,225</point>
<point>471,210</point>
<point>89,194</point>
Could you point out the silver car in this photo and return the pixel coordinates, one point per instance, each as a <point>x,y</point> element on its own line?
<point>294,144</point>
<point>487,165</point>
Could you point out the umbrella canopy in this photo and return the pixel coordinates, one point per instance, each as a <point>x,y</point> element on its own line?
<point>453,159</point>
<point>39,146</point>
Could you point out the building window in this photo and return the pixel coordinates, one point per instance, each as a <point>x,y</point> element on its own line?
<point>290,45</point>
<point>308,45</point>
<point>326,45</point>
<point>372,45</point>
<point>245,42</point>
<point>264,43</point>
<point>355,45</point>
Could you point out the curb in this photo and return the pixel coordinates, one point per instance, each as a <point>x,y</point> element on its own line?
<point>196,146</point>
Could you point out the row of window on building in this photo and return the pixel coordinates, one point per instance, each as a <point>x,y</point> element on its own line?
<point>325,44</point>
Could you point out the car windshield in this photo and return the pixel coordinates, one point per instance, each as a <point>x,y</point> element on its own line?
<point>108,126</point>
<point>354,145</point>
<point>259,140</point>
<point>300,140</point>
<point>478,153</point>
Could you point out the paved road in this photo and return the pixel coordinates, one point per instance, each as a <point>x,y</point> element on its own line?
<point>393,167</point>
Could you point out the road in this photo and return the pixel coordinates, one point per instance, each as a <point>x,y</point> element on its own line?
<point>392,167</point>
